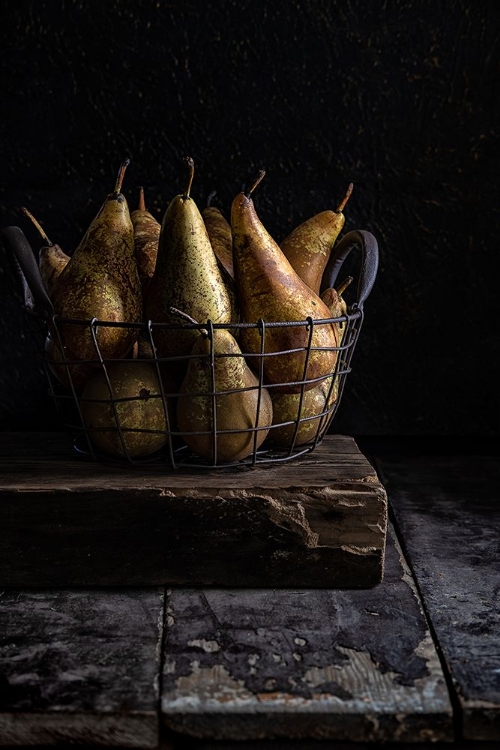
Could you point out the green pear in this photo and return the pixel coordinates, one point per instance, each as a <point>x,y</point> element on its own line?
<point>132,403</point>
<point>233,411</point>
<point>312,414</point>
<point>51,258</point>
<point>101,281</point>
<point>146,238</point>
<point>268,288</point>
<point>186,277</point>
<point>309,246</point>
<point>219,232</point>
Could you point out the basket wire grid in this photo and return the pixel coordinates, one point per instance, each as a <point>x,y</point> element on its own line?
<point>68,401</point>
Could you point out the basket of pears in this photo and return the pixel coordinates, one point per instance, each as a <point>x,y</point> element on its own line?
<point>200,341</point>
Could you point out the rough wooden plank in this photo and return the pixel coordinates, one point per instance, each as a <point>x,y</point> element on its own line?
<point>448,512</point>
<point>47,461</point>
<point>317,521</point>
<point>322,664</point>
<point>80,666</point>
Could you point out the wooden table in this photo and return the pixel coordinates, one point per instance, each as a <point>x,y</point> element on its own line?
<point>415,659</point>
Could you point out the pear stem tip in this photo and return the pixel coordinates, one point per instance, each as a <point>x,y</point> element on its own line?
<point>260,177</point>
<point>142,202</point>
<point>120,176</point>
<point>343,286</point>
<point>346,197</point>
<point>190,162</point>
<point>36,224</point>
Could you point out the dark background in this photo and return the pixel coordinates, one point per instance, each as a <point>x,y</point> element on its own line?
<point>397,97</point>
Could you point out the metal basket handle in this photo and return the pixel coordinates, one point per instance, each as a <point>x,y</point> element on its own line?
<point>369,263</point>
<point>26,267</point>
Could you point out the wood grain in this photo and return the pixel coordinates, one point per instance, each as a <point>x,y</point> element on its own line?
<point>448,513</point>
<point>318,521</point>
<point>322,664</point>
<point>80,666</point>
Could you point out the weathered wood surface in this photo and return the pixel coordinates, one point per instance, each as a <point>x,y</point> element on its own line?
<point>80,666</point>
<point>317,521</point>
<point>448,513</point>
<point>321,664</point>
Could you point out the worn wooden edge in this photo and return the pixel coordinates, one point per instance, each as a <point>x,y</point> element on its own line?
<point>446,511</point>
<point>135,729</point>
<point>321,537</point>
<point>211,703</point>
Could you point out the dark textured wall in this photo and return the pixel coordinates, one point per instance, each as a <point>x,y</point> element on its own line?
<point>398,97</point>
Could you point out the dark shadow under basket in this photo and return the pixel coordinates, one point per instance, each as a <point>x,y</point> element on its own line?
<point>285,440</point>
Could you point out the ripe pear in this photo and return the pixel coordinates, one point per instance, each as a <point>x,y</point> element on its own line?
<point>268,288</point>
<point>219,232</point>
<point>309,246</point>
<point>101,281</point>
<point>146,237</point>
<point>313,414</point>
<point>316,409</point>
<point>186,277</point>
<point>221,239</point>
<point>138,409</point>
<point>51,258</point>
<point>335,302</point>
<point>235,408</point>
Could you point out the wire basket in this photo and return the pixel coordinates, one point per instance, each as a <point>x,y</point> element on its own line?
<point>115,424</point>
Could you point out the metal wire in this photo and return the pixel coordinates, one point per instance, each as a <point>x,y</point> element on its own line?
<point>175,453</point>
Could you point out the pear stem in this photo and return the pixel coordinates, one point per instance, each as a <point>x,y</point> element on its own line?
<point>180,314</point>
<point>120,176</point>
<point>190,164</point>
<point>211,197</point>
<point>142,202</point>
<point>36,224</point>
<point>257,182</point>
<point>346,197</point>
<point>344,285</point>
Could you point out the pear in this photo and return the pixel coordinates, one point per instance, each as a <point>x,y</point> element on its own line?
<point>335,302</point>
<point>268,288</point>
<point>309,246</point>
<point>315,411</point>
<point>101,281</point>
<point>312,414</point>
<point>219,232</point>
<point>186,277</point>
<point>222,398</point>
<point>51,258</point>
<point>146,237</point>
<point>221,239</point>
<point>132,403</point>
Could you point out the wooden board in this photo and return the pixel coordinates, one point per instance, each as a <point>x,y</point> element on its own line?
<point>448,512</point>
<point>80,666</point>
<point>317,521</point>
<point>320,664</point>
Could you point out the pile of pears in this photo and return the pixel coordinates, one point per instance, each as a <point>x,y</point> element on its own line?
<point>199,330</point>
